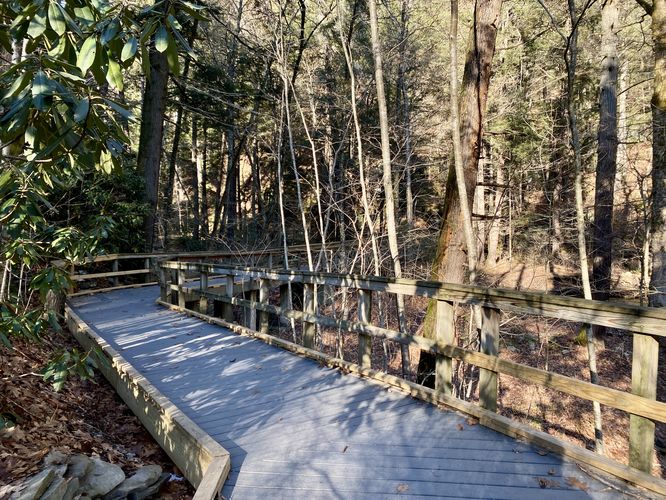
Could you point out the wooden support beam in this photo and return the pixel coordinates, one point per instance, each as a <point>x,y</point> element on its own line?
<point>114,268</point>
<point>264,289</point>
<point>285,301</point>
<point>309,307</point>
<point>147,267</point>
<point>227,309</point>
<point>445,331</point>
<point>364,317</point>
<point>162,275</point>
<point>181,294</point>
<point>251,312</point>
<point>203,298</point>
<point>174,293</point>
<point>490,346</point>
<point>643,383</point>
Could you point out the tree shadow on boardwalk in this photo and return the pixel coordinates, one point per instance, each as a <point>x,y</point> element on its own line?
<point>297,429</point>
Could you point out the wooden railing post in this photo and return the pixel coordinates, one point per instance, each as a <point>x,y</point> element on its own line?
<point>643,383</point>
<point>446,334</point>
<point>203,286</point>
<point>164,284</point>
<point>309,307</point>
<point>364,316</point>
<point>251,312</point>
<point>264,288</point>
<point>227,308</point>
<point>174,293</point>
<point>490,346</point>
<point>181,283</point>
<point>114,268</point>
<point>284,301</point>
<point>146,265</point>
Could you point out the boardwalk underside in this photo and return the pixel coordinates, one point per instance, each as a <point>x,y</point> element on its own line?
<point>295,429</point>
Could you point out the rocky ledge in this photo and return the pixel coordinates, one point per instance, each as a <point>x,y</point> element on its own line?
<point>78,477</point>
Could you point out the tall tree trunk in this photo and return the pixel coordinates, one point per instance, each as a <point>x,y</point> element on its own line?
<point>389,203</point>
<point>196,180</point>
<point>496,206</point>
<point>202,174</point>
<point>658,225</point>
<point>571,59</point>
<point>606,155</point>
<point>167,192</point>
<point>405,108</point>
<point>450,259</point>
<point>150,138</point>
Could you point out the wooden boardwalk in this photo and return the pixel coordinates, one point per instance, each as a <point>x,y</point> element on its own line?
<point>298,430</point>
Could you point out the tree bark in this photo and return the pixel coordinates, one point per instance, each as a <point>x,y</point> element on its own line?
<point>658,244</point>
<point>196,176</point>
<point>450,259</point>
<point>150,138</point>
<point>602,236</point>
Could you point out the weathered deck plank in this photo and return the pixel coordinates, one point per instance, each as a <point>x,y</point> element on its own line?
<point>298,430</point>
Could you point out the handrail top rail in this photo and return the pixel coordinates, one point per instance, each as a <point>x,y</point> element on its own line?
<point>202,253</point>
<point>648,320</point>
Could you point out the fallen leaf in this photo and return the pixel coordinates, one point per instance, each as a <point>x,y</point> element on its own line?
<point>461,427</point>
<point>472,421</point>
<point>402,488</point>
<point>576,483</point>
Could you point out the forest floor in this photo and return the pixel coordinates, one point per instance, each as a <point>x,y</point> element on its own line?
<point>84,417</point>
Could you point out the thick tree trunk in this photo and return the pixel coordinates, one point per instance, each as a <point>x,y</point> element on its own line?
<point>658,244</point>
<point>606,155</point>
<point>450,260</point>
<point>150,139</point>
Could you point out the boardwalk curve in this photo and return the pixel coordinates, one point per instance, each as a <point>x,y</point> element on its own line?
<point>295,429</point>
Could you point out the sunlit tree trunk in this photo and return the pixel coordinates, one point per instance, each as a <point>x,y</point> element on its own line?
<point>606,155</point>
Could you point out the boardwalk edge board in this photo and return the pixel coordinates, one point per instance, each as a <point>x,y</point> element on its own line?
<point>204,462</point>
<point>486,418</point>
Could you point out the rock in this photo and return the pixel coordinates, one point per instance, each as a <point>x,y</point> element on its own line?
<point>55,457</point>
<point>102,478</point>
<point>79,466</point>
<point>72,488</point>
<point>143,478</point>
<point>56,490</point>
<point>35,486</point>
<point>151,490</point>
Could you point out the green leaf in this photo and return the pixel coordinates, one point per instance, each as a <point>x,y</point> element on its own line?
<point>172,57</point>
<point>106,162</point>
<point>87,54</point>
<point>37,24</point>
<point>41,89</point>
<point>161,39</point>
<point>110,32</point>
<point>82,109</point>
<point>114,76</point>
<point>129,49</point>
<point>56,19</point>
<point>18,85</point>
<point>125,113</point>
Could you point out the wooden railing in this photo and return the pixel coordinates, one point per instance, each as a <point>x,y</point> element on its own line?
<point>645,324</point>
<point>145,264</point>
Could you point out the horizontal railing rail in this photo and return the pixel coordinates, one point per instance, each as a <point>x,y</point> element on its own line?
<point>645,324</point>
<point>267,257</point>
